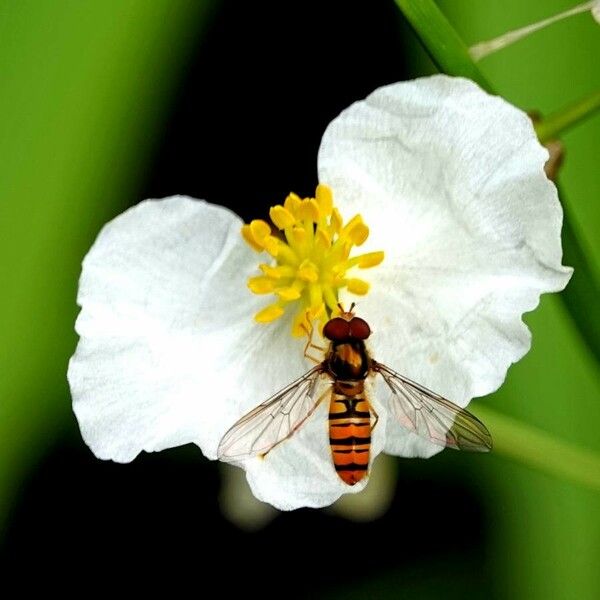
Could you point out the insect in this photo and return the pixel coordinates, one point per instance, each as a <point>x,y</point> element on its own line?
<point>352,418</point>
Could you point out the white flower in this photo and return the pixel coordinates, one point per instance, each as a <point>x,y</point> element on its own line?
<point>451,183</point>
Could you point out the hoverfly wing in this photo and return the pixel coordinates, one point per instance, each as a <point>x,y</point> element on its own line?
<point>275,420</point>
<point>431,416</point>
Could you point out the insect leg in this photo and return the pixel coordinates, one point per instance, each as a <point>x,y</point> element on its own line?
<point>293,431</point>
<point>309,344</point>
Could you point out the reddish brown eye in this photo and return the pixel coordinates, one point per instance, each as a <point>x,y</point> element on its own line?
<point>337,329</point>
<point>359,329</point>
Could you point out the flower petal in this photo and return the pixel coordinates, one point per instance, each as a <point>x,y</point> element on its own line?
<point>169,352</point>
<point>451,183</point>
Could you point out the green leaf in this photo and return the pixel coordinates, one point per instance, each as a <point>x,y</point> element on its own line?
<point>84,89</point>
<point>443,44</point>
<point>530,446</point>
<point>582,295</point>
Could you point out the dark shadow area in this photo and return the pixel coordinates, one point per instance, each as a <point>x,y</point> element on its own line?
<point>267,79</point>
<point>157,522</point>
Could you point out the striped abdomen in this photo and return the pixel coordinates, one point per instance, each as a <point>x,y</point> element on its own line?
<point>350,430</point>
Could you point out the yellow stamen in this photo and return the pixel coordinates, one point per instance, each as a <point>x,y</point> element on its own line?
<point>272,245</point>
<point>356,230</point>
<point>310,266</point>
<point>307,271</point>
<point>322,240</point>
<point>299,235</point>
<point>324,199</point>
<point>276,272</point>
<point>247,235</point>
<point>288,293</point>
<point>281,217</point>
<point>308,210</point>
<point>315,295</point>
<point>301,324</point>
<point>261,285</point>
<point>336,221</point>
<point>357,286</point>
<point>371,259</point>
<point>260,230</point>
<point>268,314</point>
<point>291,203</point>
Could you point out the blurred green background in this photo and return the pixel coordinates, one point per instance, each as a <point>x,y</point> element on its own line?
<point>86,92</point>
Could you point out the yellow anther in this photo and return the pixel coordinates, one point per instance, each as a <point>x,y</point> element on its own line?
<point>260,230</point>
<point>299,235</point>
<point>307,271</point>
<point>330,298</point>
<point>272,245</point>
<point>317,312</point>
<point>276,272</point>
<point>315,294</point>
<point>359,234</point>
<point>322,240</point>
<point>308,210</point>
<point>288,293</point>
<point>311,263</point>
<point>281,217</point>
<point>324,199</point>
<point>286,256</point>
<point>357,286</point>
<point>292,202</point>
<point>356,231</point>
<point>261,285</point>
<point>249,238</point>
<point>301,324</point>
<point>336,221</point>
<point>371,259</point>
<point>268,314</point>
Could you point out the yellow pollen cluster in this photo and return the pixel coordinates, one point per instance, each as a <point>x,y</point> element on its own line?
<point>311,248</point>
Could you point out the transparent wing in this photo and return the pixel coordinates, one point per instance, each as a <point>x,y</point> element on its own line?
<point>433,417</point>
<point>276,419</point>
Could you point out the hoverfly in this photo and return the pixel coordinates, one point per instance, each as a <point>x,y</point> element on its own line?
<point>352,418</point>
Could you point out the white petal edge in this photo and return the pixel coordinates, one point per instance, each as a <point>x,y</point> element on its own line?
<point>168,351</point>
<point>451,182</point>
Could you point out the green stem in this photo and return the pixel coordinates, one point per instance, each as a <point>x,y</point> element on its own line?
<point>556,123</point>
<point>443,44</point>
<point>581,295</point>
<point>530,446</point>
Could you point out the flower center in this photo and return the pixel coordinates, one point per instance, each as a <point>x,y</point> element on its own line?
<point>311,247</point>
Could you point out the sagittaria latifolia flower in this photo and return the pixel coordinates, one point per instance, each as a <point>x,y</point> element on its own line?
<point>464,237</point>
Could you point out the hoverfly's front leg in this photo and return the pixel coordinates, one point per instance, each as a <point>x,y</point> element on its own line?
<point>309,344</point>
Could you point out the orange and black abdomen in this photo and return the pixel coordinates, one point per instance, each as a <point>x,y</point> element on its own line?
<point>350,430</point>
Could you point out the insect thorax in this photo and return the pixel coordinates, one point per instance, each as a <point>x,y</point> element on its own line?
<point>348,360</point>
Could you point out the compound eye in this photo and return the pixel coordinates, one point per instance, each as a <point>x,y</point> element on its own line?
<point>359,329</point>
<point>337,329</point>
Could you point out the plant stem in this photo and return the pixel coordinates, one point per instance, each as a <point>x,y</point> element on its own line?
<point>443,44</point>
<point>581,295</point>
<point>478,51</point>
<point>553,125</point>
<point>528,445</point>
